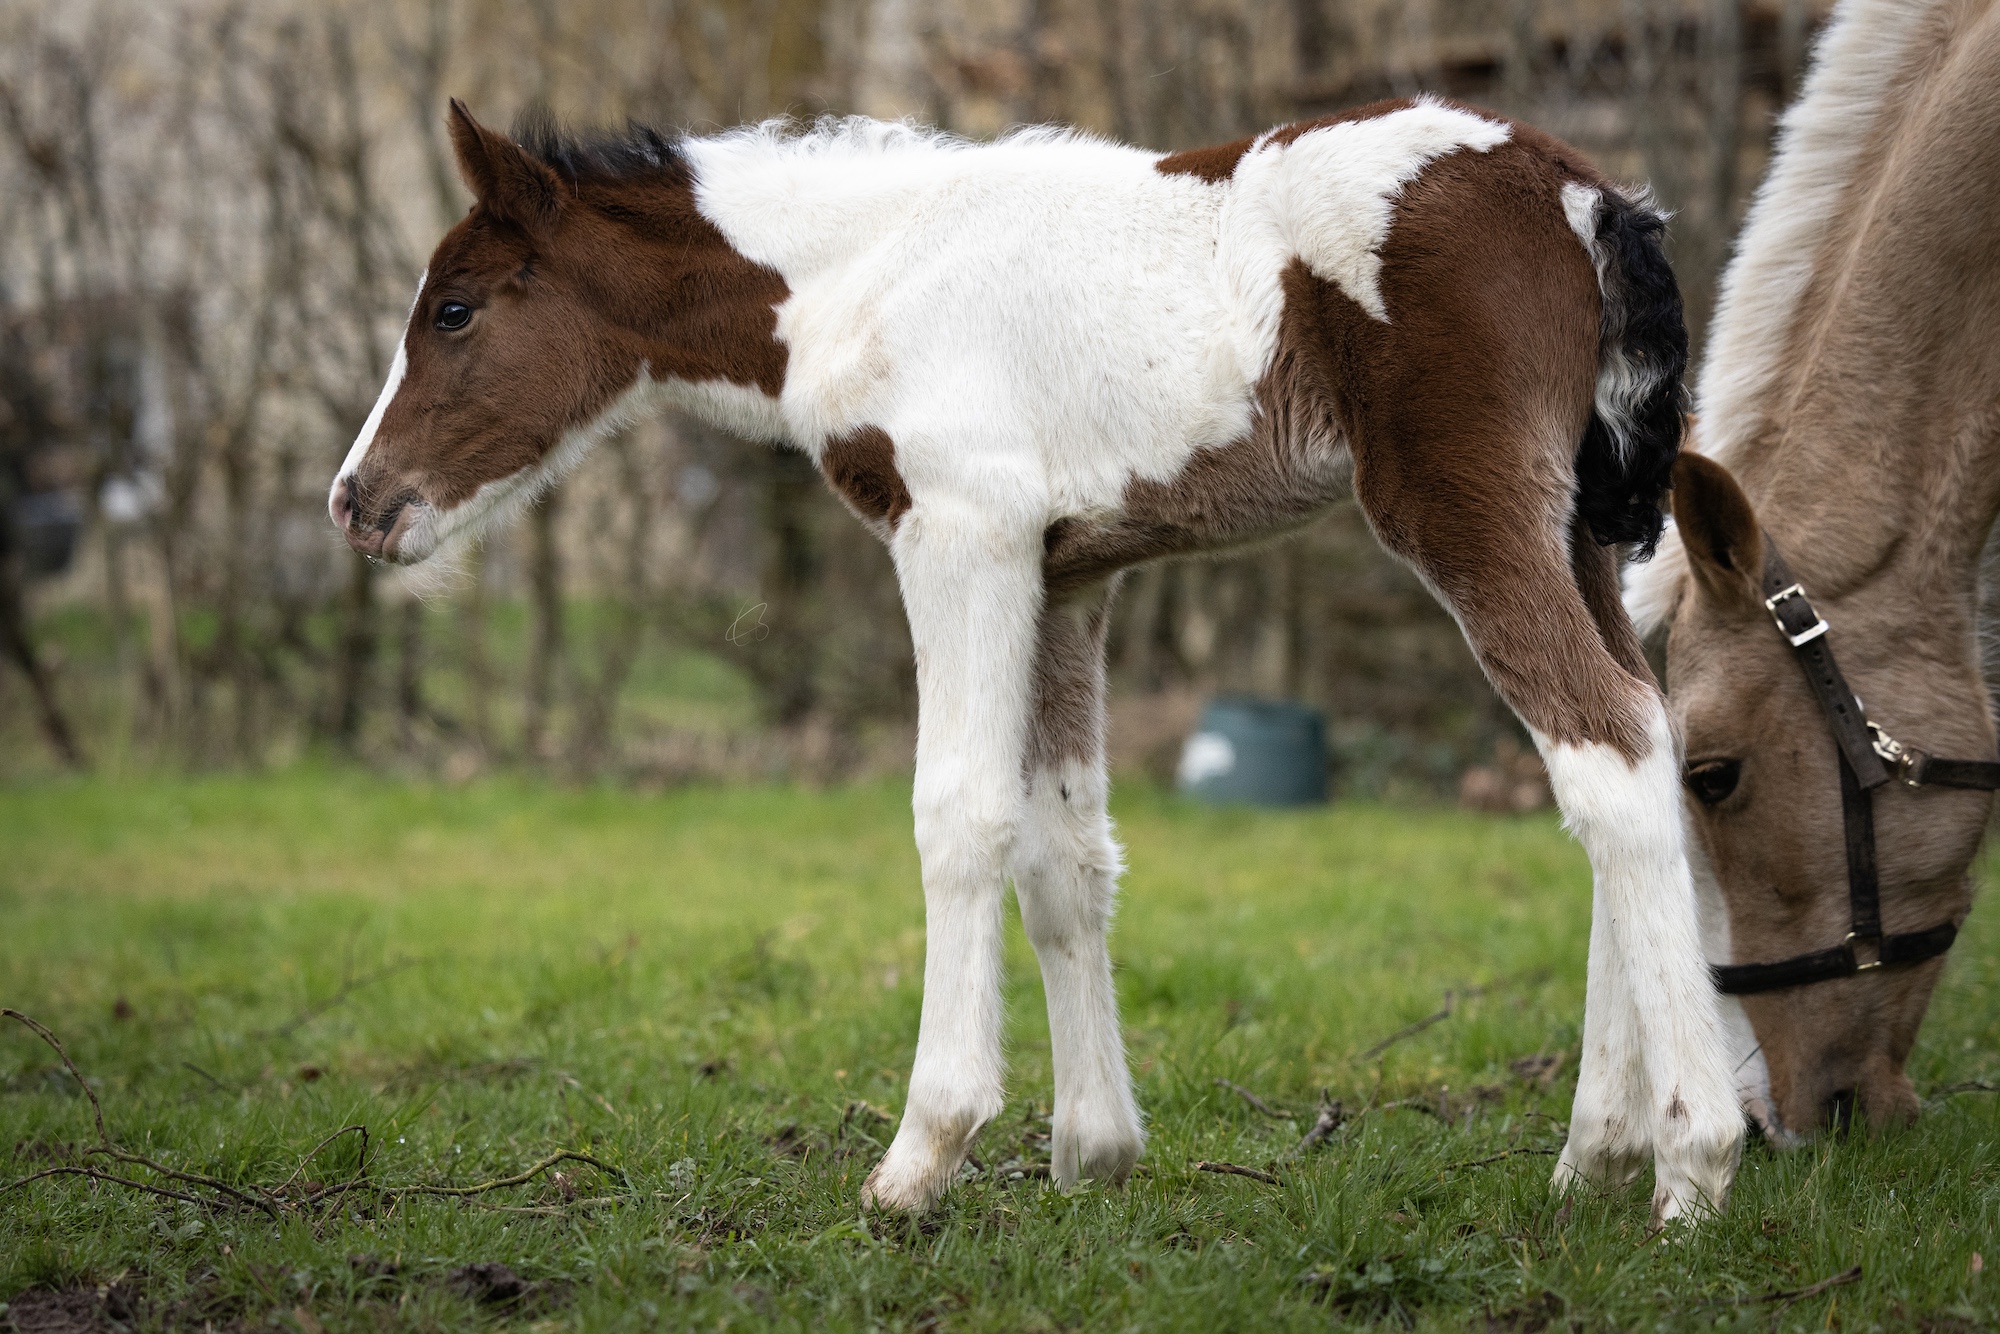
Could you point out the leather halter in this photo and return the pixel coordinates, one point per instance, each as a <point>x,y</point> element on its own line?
<point>1869,758</point>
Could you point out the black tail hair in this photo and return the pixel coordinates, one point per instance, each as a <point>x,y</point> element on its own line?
<point>1626,460</point>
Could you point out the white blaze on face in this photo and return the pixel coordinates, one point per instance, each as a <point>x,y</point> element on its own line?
<point>397,368</point>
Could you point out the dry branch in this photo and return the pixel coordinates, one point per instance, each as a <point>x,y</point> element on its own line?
<point>1969,1086</point>
<point>1505,1153</point>
<point>1327,1120</point>
<point>519,1179</point>
<point>348,987</point>
<point>1236,1170</point>
<point>1790,1295</point>
<point>271,1200</point>
<point>1275,1113</point>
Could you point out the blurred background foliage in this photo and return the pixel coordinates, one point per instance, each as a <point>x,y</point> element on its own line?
<point>211,219</point>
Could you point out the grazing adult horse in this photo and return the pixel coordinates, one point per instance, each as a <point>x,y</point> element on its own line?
<point>1030,364</point>
<point>1849,478</point>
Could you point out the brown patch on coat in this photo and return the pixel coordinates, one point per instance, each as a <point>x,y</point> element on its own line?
<point>1464,413</point>
<point>1217,162</point>
<point>1214,164</point>
<point>1461,416</point>
<point>861,468</point>
<point>576,286</point>
<point>1067,722</point>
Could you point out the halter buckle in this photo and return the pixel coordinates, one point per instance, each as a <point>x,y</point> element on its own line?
<point>1872,964</point>
<point>1805,636</point>
<point>1904,760</point>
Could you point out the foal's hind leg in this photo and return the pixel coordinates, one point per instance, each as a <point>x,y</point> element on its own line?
<point>1485,521</point>
<point>1066,866</point>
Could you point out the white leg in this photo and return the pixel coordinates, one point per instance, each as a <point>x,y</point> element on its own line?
<point>1066,867</point>
<point>972,593</point>
<point>1628,818</point>
<point>1608,1129</point>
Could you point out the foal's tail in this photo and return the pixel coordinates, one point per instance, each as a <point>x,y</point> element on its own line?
<point>1627,456</point>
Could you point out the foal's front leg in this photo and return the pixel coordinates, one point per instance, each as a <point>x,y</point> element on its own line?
<point>972,589</point>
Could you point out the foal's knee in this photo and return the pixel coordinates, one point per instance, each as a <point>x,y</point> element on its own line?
<point>964,829</point>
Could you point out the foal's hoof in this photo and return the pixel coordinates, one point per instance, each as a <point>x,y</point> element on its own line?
<point>1693,1172</point>
<point>1606,1161</point>
<point>908,1183</point>
<point>1106,1156</point>
<point>886,1193</point>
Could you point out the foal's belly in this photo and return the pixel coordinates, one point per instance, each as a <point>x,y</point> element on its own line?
<point>1260,487</point>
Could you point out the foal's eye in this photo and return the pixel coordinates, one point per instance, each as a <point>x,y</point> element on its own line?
<point>453,315</point>
<point>1713,780</point>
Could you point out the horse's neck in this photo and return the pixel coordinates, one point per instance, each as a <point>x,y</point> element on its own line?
<point>1873,454</point>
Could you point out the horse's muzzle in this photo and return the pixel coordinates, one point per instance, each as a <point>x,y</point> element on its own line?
<point>380,537</point>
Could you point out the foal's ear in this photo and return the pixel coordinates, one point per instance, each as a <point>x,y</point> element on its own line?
<point>510,181</point>
<point>1718,528</point>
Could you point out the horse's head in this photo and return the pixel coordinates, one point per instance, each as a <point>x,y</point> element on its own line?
<point>580,277</point>
<point>1764,795</point>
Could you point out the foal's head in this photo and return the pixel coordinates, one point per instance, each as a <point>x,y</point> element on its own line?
<point>1763,785</point>
<point>582,276</point>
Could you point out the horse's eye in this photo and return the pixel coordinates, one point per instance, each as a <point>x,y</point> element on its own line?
<point>1713,780</point>
<point>454,315</point>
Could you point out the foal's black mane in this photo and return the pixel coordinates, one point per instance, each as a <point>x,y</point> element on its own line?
<point>639,152</point>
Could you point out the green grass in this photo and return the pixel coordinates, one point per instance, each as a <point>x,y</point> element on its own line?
<point>701,986</point>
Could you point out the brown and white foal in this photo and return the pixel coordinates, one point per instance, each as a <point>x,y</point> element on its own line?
<point>1030,364</point>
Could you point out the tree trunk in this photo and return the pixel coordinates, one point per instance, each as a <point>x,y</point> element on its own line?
<point>19,645</point>
<point>545,630</point>
<point>354,654</point>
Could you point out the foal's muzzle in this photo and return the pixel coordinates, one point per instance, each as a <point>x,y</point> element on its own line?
<point>379,535</point>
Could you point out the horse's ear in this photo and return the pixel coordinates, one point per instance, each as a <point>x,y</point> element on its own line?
<point>510,181</point>
<point>1718,528</point>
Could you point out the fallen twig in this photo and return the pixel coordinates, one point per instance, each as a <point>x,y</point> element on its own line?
<point>1411,1030</point>
<point>1969,1086</point>
<point>1327,1121</point>
<point>347,988</point>
<point>546,1210</point>
<point>95,1175</point>
<point>1789,1295</point>
<point>518,1179</point>
<point>314,1153</point>
<point>112,1151</point>
<point>1505,1153</point>
<point>190,1065</point>
<point>1234,1170</point>
<point>1275,1113</point>
<point>1451,1003</point>
<point>272,1200</point>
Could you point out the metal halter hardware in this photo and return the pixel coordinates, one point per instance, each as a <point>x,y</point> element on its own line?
<point>1869,758</point>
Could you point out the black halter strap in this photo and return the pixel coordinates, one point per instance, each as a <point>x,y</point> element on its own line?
<point>1869,758</point>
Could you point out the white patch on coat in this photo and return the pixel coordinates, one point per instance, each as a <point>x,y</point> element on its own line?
<point>1580,211</point>
<point>1329,196</point>
<point>1746,1055</point>
<point>1628,817</point>
<point>397,369</point>
<point>931,278</point>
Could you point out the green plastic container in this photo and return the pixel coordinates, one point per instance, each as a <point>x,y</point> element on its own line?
<point>1256,752</point>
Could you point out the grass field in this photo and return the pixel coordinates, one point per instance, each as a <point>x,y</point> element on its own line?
<point>716,992</point>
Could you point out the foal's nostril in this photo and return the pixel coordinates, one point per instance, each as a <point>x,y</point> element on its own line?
<point>394,511</point>
<point>1840,1111</point>
<point>342,504</point>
